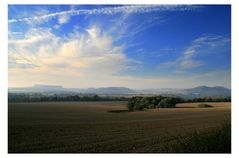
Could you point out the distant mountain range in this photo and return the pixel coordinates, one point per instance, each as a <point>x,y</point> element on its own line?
<point>39,89</point>
<point>201,91</point>
<point>204,91</point>
<point>60,89</point>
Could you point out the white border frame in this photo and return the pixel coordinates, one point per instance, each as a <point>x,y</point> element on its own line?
<point>4,74</point>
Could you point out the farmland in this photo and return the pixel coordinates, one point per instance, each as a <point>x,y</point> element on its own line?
<point>89,127</point>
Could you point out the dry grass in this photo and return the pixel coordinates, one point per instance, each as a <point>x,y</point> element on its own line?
<point>88,127</point>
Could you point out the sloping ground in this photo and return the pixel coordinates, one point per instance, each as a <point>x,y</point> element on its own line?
<point>88,127</point>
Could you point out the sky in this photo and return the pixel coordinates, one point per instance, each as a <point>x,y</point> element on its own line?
<point>135,46</point>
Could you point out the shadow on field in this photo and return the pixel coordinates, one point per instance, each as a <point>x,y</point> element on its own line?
<point>119,111</point>
<point>185,107</point>
<point>217,140</point>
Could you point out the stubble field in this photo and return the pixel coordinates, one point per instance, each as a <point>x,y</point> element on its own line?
<point>88,127</point>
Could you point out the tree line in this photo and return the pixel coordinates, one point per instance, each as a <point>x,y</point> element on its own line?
<point>134,103</point>
<point>21,97</point>
<point>141,103</point>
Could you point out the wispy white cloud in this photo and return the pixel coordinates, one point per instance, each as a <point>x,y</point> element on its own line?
<point>125,9</point>
<point>187,60</point>
<point>63,19</point>
<point>89,59</point>
<point>86,56</point>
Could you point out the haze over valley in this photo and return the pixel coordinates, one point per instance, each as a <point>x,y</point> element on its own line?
<point>200,91</point>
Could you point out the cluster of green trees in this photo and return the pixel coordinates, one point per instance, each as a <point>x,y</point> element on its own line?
<point>141,103</point>
<point>25,97</point>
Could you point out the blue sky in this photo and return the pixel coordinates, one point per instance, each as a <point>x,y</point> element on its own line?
<point>136,46</point>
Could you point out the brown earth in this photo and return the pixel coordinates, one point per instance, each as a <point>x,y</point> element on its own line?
<point>88,127</point>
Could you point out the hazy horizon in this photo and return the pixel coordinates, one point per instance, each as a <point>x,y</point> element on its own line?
<point>134,46</point>
<point>119,86</point>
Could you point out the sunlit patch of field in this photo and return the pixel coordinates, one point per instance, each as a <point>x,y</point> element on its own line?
<point>88,127</point>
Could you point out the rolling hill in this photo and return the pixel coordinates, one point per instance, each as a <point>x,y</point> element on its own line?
<point>200,91</point>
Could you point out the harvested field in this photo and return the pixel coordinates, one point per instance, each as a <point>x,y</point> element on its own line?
<point>88,127</point>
